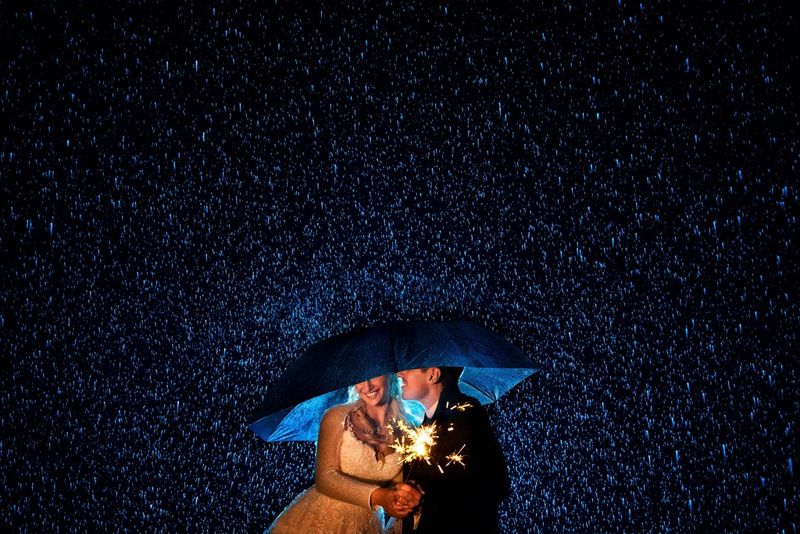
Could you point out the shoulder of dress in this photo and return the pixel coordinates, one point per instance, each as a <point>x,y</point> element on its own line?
<point>340,411</point>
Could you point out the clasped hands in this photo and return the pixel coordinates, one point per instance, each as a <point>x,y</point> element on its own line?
<point>398,501</point>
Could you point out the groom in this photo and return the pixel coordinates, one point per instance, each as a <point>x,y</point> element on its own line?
<point>456,498</point>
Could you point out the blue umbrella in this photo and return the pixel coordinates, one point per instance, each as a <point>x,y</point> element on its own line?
<point>321,377</point>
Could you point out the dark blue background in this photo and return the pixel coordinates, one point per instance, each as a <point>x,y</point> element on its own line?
<point>193,195</point>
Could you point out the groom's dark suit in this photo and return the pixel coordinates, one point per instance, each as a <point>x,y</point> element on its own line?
<point>460,499</point>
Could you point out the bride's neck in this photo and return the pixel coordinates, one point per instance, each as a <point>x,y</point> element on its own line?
<point>378,413</point>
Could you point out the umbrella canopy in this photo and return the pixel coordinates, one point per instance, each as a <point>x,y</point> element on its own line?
<point>321,377</point>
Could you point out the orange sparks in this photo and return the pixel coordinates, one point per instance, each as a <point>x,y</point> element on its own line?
<point>456,457</point>
<point>415,443</point>
<point>461,407</point>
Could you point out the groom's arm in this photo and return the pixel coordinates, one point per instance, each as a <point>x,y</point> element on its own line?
<point>495,471</point>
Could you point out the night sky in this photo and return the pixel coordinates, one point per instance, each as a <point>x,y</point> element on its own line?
<point>193,195</point>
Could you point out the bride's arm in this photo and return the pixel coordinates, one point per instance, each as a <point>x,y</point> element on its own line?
<point>329,478</point>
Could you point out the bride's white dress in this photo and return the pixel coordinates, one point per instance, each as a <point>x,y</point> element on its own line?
<point>346,474</point>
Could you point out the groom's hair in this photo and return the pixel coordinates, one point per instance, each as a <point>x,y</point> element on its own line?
<point>450,375</point>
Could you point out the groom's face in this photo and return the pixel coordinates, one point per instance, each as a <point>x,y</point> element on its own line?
<point>414,383</point>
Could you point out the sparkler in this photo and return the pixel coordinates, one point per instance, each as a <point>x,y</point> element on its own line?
<point>415,443</point>
<point>418,443</point>
<point>460,407</point>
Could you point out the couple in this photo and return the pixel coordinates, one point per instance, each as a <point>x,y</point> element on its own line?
<point>360,479</point>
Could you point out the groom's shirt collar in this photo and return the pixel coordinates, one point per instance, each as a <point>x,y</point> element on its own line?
<point>448,396</point>
<point>433,410</point>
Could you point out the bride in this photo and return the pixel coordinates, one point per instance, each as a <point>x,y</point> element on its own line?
<point>358,476</point>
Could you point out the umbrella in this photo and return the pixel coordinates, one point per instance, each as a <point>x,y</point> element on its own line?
<point>320,377</point>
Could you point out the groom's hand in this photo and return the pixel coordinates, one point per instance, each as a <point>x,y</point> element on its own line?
<point>407,496</point>
<point>387,498</point>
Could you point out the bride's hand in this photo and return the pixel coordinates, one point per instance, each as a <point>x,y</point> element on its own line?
<point>387,498</point>
<point>407,495</point>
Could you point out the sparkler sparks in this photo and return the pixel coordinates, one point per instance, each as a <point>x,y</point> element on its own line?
<point>415,443</point>
<point>456,457</point>
<point>461,406</point>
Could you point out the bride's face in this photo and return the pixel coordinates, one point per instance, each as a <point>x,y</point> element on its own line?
<point>374,392</point>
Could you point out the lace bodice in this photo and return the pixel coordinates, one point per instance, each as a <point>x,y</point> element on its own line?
<point>346,467</point>
<point>357,459</point>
